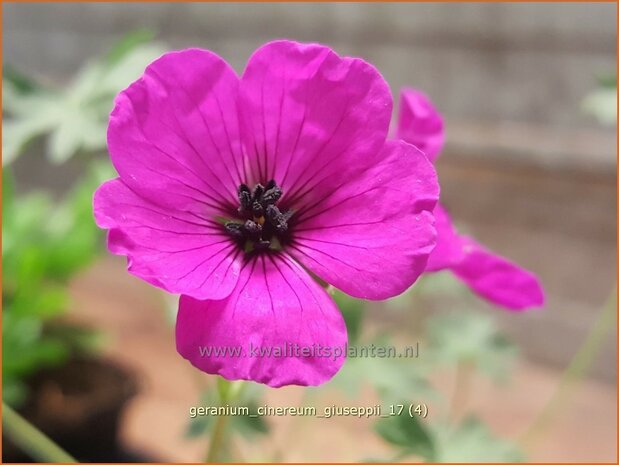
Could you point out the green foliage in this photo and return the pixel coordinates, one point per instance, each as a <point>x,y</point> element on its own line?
<point>601,103</point>
<point>409,434</point>
<point>392,378</point>
<point>472,338</point>
<point>428,287</point>
<point>18,82</point>
<point>608,80</point>
<point>467,442</point>
<point>353,311</point>
<point>449,340</point>
<point>453,339</point>
<point>472,442</point>
<point>247,426</point>
<point>44,244</point>
<point>75,117</point>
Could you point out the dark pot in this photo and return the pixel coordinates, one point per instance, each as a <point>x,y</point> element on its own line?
<point>79,405</point>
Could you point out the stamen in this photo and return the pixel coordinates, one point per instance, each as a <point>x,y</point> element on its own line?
<point>261,245</point>
<point>253,230</point>
<point>257,194</point>
<point>235,230</point>
<point>271,196</point>
<point>262,224</point>
<point>257,210</point>
<point>244,197</point>
<point>277,219</point>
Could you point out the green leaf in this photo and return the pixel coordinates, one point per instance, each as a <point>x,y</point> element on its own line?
<point>17,134</point>
<point>44,302</point>
<point>250,426</point>
<point>353,311</point>
<point>468,442</point>
<point>245,425</point>
<point>77,338</point>
<point>607,80</point>
<point>198,426</point>
<point>126,70</point>
<point>472,442</point>
<point>392,378</point>
<point>28,359</point>
<point>127,44</point>
<point>408,433</point>
<point>472,338</point>
<point>602,104</point>
<point>75,117</point>
<point>66,139</point>
<point>8,189</point>
<point>20,82</point>
<point>14,392</point>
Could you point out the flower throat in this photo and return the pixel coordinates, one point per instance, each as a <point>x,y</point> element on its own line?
<point>261,226</point>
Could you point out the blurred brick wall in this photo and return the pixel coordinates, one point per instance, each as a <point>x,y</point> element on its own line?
<point>526,62</point>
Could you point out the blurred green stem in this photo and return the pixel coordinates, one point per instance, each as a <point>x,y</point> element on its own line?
<point>464,372</point>
<point>577,368</point>
<point>31,440</point>
<point>228,393</point>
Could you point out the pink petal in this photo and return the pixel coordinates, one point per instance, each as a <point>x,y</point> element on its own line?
<point>372,235</point>
<point>497,279</point>
<point>275,305</point>
<point>420,123</point>
<point>449,245</point>
<point>308,114</point>
<point>173,135</point>
<point>178,251</point>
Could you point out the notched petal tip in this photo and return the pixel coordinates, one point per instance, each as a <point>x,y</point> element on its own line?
<point>283,92</point>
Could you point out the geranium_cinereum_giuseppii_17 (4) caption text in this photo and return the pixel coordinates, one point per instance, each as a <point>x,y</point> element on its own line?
<point>239,193</point>
<point>489,275</point>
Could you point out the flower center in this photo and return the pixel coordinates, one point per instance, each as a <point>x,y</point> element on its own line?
<point>261,225</point>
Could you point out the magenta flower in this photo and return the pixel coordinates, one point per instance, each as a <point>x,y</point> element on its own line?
<point>234,191</point>
<point>489,275</point>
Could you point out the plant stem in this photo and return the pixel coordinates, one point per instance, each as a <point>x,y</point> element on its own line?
<point>32,440</point>
<point>217,440</point>
<point>464,370</point>
<point>576,370</point>
<point>228,392</point>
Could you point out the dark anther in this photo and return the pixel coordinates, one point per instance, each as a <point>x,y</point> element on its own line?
<point>257,209</point>
<point>253,230</point>
<point>276,219</point>
<point>271,195</point>
<point>257,194</point>
<point>261,245</point>
<point>244,197</point>
<point>287,215</point>
<point>261,225</point>
<point>235,230</point>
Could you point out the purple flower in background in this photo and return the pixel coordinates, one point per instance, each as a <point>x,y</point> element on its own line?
<point>420,124</point>
<point>487,274</point>
<point>233,191</point>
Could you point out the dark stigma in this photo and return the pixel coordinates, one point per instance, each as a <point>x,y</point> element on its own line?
<point>261,225</point>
